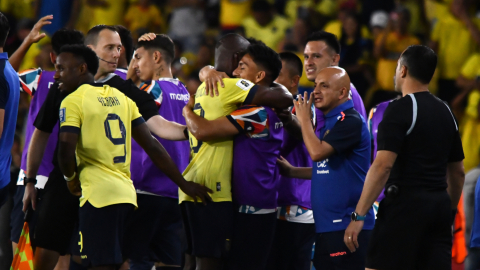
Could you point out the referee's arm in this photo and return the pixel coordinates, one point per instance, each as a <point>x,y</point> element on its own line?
<point>455,181</point>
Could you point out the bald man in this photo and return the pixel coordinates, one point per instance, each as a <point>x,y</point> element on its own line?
<point>341,158</point>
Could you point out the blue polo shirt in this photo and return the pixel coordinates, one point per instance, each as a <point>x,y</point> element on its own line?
<point>9,98</point>
<point>337,181</point>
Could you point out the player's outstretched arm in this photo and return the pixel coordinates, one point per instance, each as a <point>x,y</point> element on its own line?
<point>286,169</point>
<point>66,159</point>
<point>205,130</point>
<point>164,162</point>
<point>167,130</point>
<point>275,96</point>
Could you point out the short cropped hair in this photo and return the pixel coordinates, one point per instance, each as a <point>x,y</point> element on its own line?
<point>294,63</point>
<point>162,43</point>
<point>83,54</point>
<point>420,61</point>
<point>4,29</point>
<point>66,37</point>
<point>127,41</point>
<point>92,34</point>
<point>265,57</point>
<point>330,39</point>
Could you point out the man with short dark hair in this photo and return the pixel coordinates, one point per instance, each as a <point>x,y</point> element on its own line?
<point>295,228</point>
<point>341,156</point>
<point>256,149</point>
<point>9,98</point>
<point>154,230</point>
<point>422,174</point>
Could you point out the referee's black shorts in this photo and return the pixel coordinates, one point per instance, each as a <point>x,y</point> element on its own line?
<point>57,215</point>
<point>412,231</point>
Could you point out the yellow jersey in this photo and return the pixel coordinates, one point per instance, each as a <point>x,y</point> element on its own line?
<point>211,163</point>
<point>104,118</point>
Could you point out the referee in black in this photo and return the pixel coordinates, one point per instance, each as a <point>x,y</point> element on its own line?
<point>420,164</point>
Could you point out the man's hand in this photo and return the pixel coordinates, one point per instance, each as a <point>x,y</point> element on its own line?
<point>189,106</point>
<point>212,79</point>
<point>147,37</point>
<point>284,115</point>
<point>195,190</point>
<point>284,166</point>
<point>34,36</point>
<point>303,108</point>
<point>74,186</point>
<point>30,196</point>
<point>351,234</point>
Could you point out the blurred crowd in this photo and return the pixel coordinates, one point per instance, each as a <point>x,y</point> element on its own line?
<point>372,34</point>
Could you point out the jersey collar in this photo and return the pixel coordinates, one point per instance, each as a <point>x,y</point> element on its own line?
<point>172,80</point>
<point>4,55</point>
<point>340,108</point>
<point>108,77</point>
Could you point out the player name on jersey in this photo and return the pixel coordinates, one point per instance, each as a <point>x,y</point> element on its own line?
<point>108,101</point>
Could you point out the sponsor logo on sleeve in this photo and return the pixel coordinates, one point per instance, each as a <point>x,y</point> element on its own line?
<point>244,84</point>
<point>61,115</point>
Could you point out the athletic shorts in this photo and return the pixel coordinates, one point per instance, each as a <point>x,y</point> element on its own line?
<point>252,240</point>
<point>102,232</point>
<point>154,231</point>
<point>208,228</point>
<point>17,217</point>
<point>332,253</point>
<point>412,231</point>
<point>57,215</point>
<point>292,246</point>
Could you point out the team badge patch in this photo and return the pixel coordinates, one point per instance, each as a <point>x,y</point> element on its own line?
<point>244,84</point>
<point>62,115</point>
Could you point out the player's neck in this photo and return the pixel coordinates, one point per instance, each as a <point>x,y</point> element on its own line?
<point>100,76</point>
<point>1,50</point>
<point>163,72</point>
<point>412,87</point>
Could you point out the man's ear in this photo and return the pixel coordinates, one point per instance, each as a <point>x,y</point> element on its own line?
<point>344,92</point>
<point>157,57</point>
<point>53,57</point>
<point>83,69</point>
<point>295,81</point>
<point>403,71</point>
<point>260,76</point>
<point>336,59</point>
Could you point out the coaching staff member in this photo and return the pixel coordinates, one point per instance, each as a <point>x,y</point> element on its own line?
<point>420,158</point>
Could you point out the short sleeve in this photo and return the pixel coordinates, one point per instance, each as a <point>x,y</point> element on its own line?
<point>471,68</point>
<point>4,92</point>
<point>29,80</point>
<point>395,124</point>
<point>251,120</point>
<point>135,113</point>
<point>70,114</point>
<point>345,134</point>
<point>456,153</point>
<point>154,89</point>
<point>47,117</point>
<point>237,91</point>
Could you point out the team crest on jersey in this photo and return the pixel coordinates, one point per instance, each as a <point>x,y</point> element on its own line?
<point>244,84</point>
<point>61,115</point>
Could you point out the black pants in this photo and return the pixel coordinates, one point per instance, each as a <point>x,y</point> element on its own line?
<point>292,246</point>
<point>412,231</point>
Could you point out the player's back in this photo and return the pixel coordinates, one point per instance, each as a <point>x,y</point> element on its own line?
<point>211,163</point>
<point>104,116</point>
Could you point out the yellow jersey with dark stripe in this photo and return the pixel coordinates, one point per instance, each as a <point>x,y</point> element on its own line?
<point>103,117</point>
<point>211,163</point>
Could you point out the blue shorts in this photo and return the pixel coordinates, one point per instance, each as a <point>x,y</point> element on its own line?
<point>154,231</point>
<point>101,233</point>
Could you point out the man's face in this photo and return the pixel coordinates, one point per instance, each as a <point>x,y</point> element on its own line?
<point>284,78</point>
<point>144,64</point>
<point>247,69</point>
<point>326,93</point>
<point>108,48</point>
<point>317,57</point>
<point>67,72</point>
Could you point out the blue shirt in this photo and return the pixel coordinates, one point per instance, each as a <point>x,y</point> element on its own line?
<point>9,98</point>
<point>475,237</point>
<point>337,181</point>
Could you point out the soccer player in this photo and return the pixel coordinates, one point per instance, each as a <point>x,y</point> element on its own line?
<point>341,156</point>
<point>97,166</point>
<point>126,53</point>
<point>154,232</point>
<point>208,227</point>
<point>423,174</point>
<point>255,154</point>
<point>9,98</point>
<point>36,83</point>
<point>295,228</point>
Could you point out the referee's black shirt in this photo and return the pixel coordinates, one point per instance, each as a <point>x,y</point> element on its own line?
<point>422,130</point>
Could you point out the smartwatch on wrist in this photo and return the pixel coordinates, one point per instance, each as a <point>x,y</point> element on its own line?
<point>356,217</point>
<point>27,180</point>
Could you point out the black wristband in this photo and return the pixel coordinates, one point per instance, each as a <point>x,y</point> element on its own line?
<point>185,132</point>
<point>27,180</point>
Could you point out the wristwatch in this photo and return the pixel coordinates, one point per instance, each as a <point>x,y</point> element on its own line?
<point>356,217</point>
<point>27,180</point>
